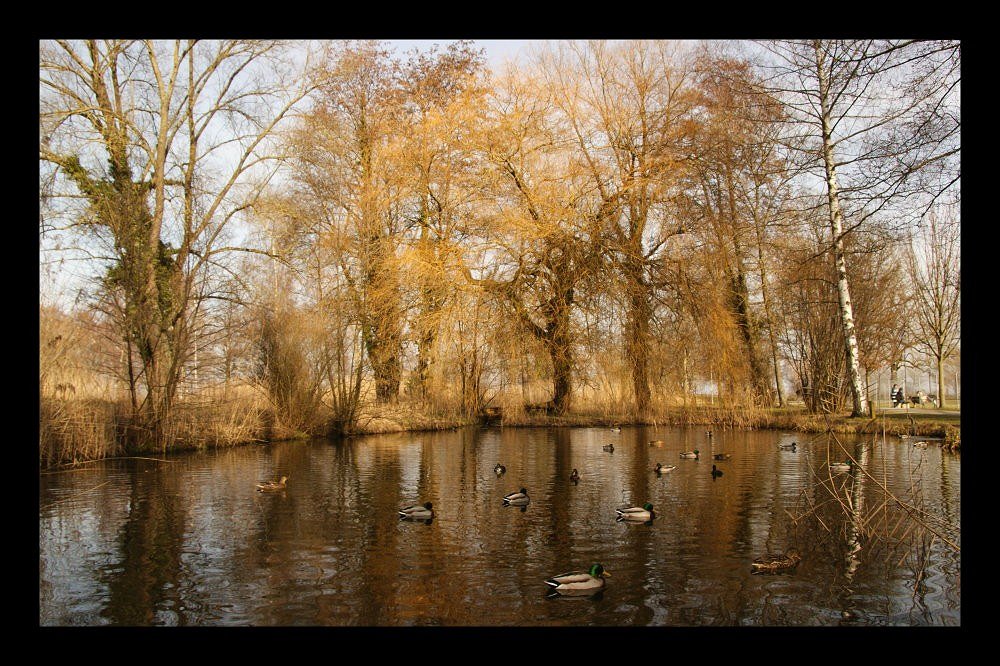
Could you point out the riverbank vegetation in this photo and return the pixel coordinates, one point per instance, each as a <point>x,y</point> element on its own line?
<point>246,241</point>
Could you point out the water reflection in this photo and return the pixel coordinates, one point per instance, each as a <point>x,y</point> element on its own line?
<point>190,542</point>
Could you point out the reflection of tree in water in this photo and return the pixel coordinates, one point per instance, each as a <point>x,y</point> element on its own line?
<point>863,531</point>
<point>145,582</point>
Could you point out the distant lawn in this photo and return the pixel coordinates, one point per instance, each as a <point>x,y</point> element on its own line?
<point>946,416</point>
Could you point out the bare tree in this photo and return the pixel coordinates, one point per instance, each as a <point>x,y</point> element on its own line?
<point>882,300</point>
<point>737,192</point>
<point>808,303</point>
<point>133,126</point>
<point>880,121</point>
<point>934,269</point>
<point>345,154</point>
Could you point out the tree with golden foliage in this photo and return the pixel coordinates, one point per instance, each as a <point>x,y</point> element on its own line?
<point>540,241</point>
<point>628,111</point>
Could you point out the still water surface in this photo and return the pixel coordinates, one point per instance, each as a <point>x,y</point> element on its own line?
<point>189,541</point>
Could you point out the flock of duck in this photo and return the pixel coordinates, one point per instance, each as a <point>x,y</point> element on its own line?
<point>592,581</point>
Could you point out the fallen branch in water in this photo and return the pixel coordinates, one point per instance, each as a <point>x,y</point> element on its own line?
<point>913,518</point>
<point>73,496</point>
<point>87,462</point>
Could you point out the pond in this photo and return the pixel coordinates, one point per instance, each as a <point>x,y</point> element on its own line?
<point>188,540</point>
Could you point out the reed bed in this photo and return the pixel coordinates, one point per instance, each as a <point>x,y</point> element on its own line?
<point>77,429</point>
<point>85,428</point>
<point>218,418</point>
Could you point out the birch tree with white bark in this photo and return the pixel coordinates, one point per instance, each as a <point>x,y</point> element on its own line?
<point>875,125</point>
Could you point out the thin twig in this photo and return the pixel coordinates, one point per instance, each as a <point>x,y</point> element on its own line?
<point>73,496</point>
<point>87,462</point>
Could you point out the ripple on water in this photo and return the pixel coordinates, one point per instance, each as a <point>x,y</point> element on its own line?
<point>197,545</point>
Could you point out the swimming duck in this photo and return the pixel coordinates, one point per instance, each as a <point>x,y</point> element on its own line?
<point>610,448</point>
<point>663,469</point>
<point>690,454</point>
<point>271,486</point>
<point>716,473</point>
<point>616,429</point>
<point>722,456</point>
<point>575,476</point>
<point>417,512</point>
<point>499,469</point>
<point>787,447</point>
<point>708,433</point>
<point>579,582</point>
<point>773,563</point>
<point>637,514</point>
<point>656,442</point>
<point>921,444</point>
<point>840,467</point>
<point>517,499</point>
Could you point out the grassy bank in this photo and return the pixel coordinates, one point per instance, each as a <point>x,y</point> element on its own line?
<point>796,419</point>
<point>74,430</point>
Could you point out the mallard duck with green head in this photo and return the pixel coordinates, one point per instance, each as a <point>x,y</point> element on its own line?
<point>519,498</point>
<point>272,486</point>
<point>774,563</point>
<point>423,511</point>
<point>637,514</point>
<point>787,447</point>
<point>578,583</point>
<point>663,469</point>
<point>690,454</point>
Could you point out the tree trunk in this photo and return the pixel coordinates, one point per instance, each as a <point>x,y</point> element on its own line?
<point>748,334</point>
<point>859,407</point>
<point>637,346</point>
<point>767,314</point>
<point>383,330</point>
<point>386,367</point>
<point>562,377</point>
<point>940,381</point>
<point>685,384</point>
<point>430,306</point>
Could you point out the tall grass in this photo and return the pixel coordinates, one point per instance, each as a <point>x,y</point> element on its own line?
<point>218,417</point>
<point>77,429</point>
<point>74,429</point>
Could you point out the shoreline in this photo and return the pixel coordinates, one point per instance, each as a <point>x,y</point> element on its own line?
<point>947,427</point>
<point>409,418</point>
